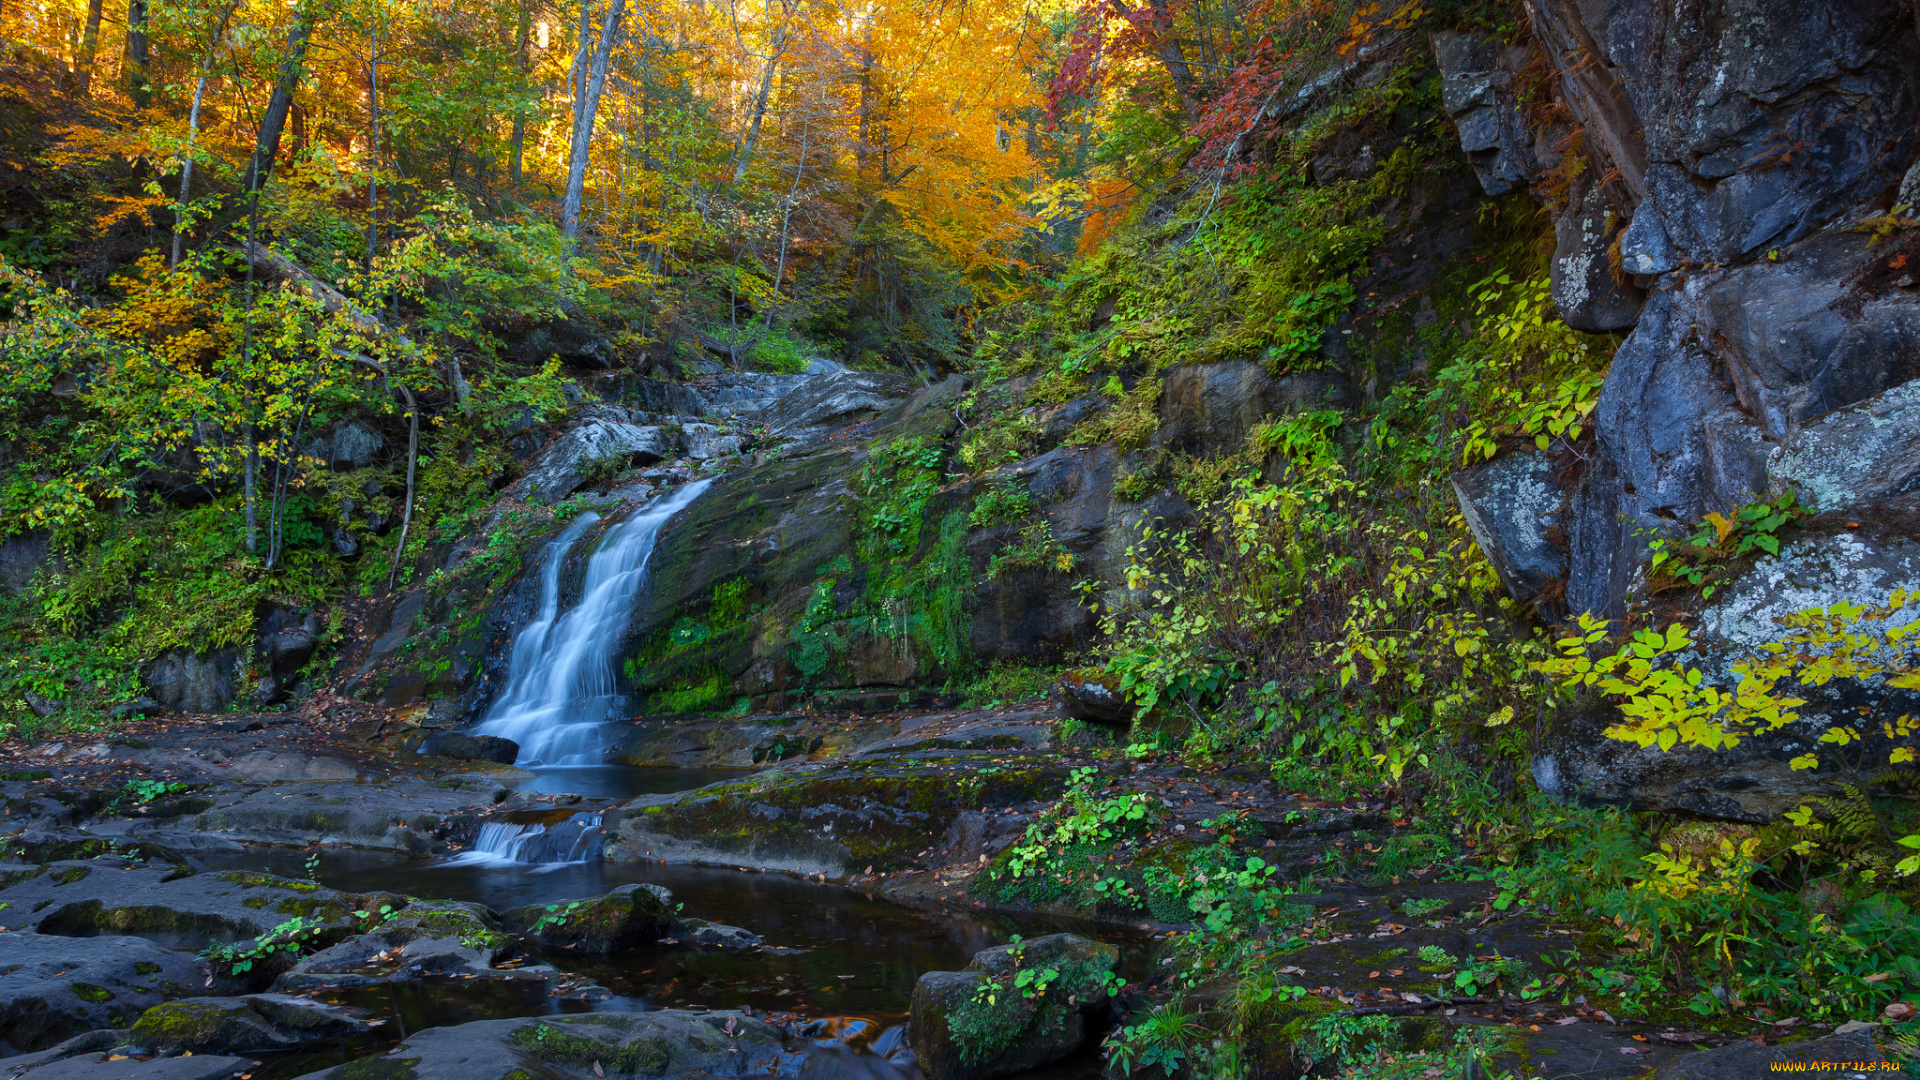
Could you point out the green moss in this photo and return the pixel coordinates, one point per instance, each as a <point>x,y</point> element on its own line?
<point>377,1068</point>
<point>89,992</point>
<point>247,879</point>
<point>255,902</point>
<point>67,875</point>
<point>312,908</point>
<point>551,1041</point>
<point>146,967</point>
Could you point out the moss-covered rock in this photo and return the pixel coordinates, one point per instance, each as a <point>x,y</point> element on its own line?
<point>626,918</point>
<point>1016,1007</point>
<point>245,1024</point>
<point>670,1042</point>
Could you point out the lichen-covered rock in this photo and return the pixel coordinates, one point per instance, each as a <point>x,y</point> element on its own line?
<point>976,1024</point>
<point>626,918</point>
<point>1590,293</point>
<point>667,1043</point>
<point>1516,509</point>
<point>1476,90</point>
<point>1092,694</point>
<point>1865,459</point>
<point>56,987</point>
<point>562,465</point>
<point>240,1025</point>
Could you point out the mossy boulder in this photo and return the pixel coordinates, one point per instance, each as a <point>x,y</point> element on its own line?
<point>53,988</point>
<point>670,1042</point>
<point>626,918</point>
<point>243,1025</point>
<point>1016,1007</point>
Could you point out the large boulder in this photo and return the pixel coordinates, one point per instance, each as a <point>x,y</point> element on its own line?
<point>824,400</point>
<point>109,896</point>
<point>1516,509</point>
<point>572,341</point>
<point>666,1043</point>
<point>439,938</point>
<point>352,444</point>
<point>565,463</point>
<point>183,680</point>
<point>56,987</point>
<point>244,1025</point>
<point>492,748</point>
<point>627,918</point>
<point>976,1024</point>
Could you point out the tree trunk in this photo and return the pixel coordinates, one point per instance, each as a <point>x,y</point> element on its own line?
<point>584,112</point>
<point>138,55</point>
<point>186,171</point>
<point>373,138</point>
<point>89,49</point>
<point>266,144</point>
<point>786,221</point>
<point>520,111</point>
<point>760,106</point>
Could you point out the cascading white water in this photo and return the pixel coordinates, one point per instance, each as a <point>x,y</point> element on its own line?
<point>576,840</point>
<point>560,685</point>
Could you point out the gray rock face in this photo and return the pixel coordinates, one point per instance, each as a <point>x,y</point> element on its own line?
<point>182,680</point>
<point>1727,390</point>
<point>574,342</point>
<point>706,442</point>
<point>670,1042</point>
<point>834,398</point>
<point>562,466</point>
<point>946,1020</point>
<point>1516,509</point>
<point>1586,289</point>
<point>1761,122</point>
<point>1216,406</point>
<point>56,987</point>
<point>1864,458</point>
<point>1476,75</point>
<point>21,558</point>
<point>353,444</point>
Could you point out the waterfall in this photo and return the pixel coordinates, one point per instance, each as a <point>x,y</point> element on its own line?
<point>560,684</point>
<point>575,840</point>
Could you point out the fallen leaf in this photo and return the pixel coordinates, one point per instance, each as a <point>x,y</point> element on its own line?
<point>1396,972</point>
<point>598,1071</point>
<point>1565,1020</point>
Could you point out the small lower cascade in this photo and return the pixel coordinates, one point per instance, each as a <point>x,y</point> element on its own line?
<point>560,686</point>
<point>575,840</point>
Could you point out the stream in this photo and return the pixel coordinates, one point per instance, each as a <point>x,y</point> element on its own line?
<point>838,956</point>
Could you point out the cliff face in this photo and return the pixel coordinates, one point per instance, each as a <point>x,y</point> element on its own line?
<point>1731,146</point>
<point>1748,166</point>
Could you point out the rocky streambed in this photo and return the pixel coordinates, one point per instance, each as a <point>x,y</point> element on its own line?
<point>232,897</point>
